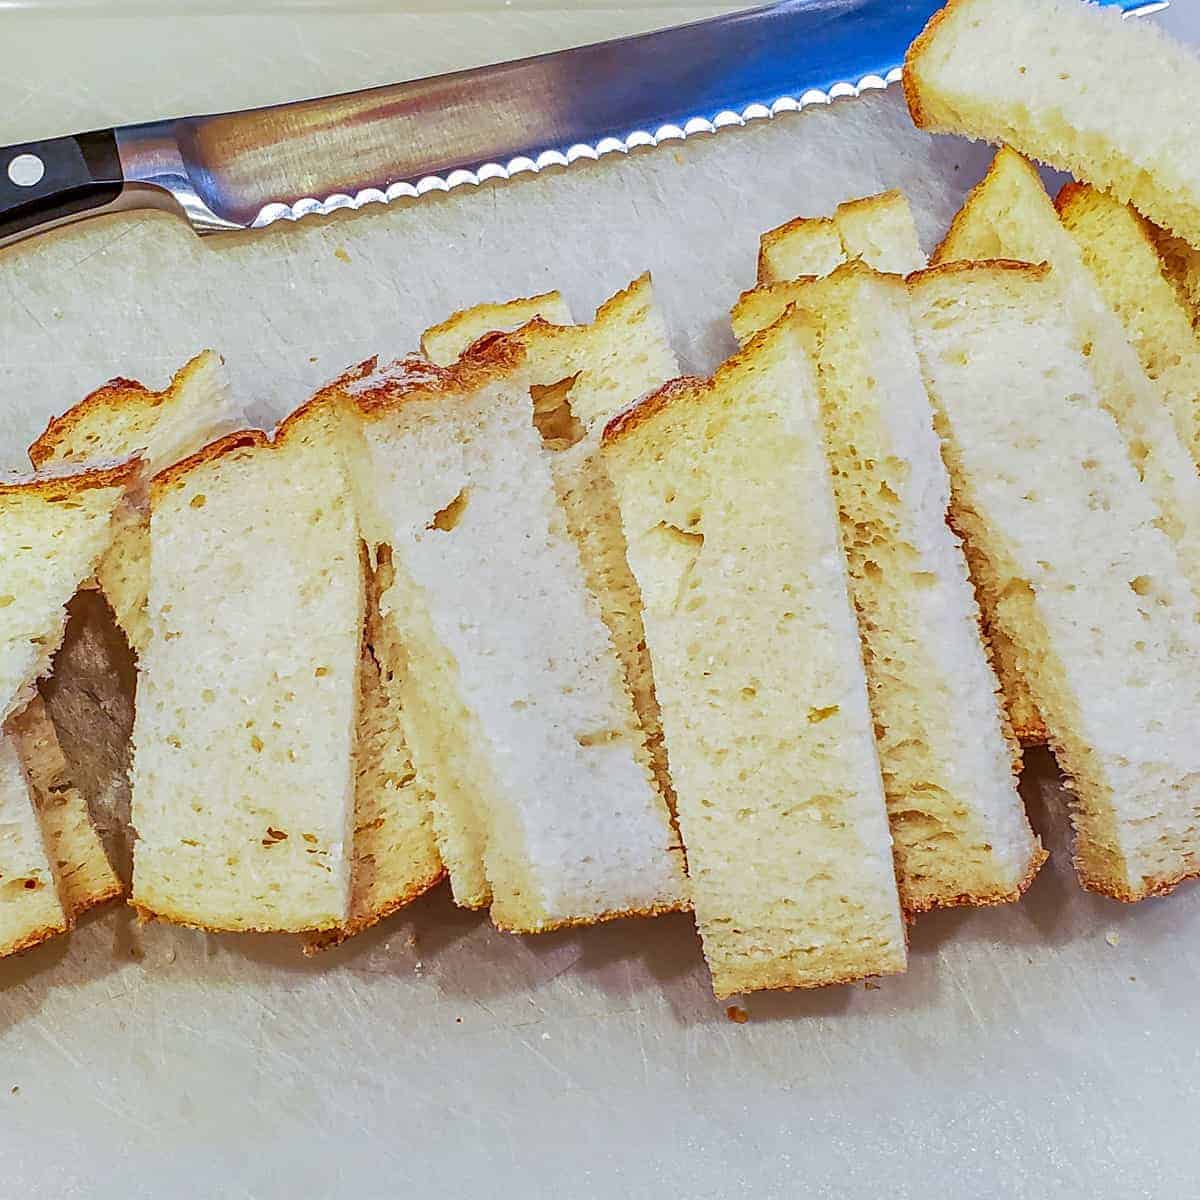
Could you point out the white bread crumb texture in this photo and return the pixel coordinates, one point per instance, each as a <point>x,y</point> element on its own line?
<point>534,663</point>
<point>256,599</point>
<point>728,511</point>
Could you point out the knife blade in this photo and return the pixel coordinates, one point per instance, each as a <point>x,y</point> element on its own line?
<point>246,170</point>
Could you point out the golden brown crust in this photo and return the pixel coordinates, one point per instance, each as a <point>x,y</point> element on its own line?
<point>115,891</point>
<point>677,390</point>
<point>782,233</point>
<point>1005,157</point>
<point>982,899</point>
<point>649,406</point>
<point>633,290</point>
<point>373,391</point>
<point>867,203</point>
<point>35,938</point>
<point>765,983</point>
<point>62,487</point>
<point>654,910</point>
<point>982,267</point>
<point>335,937</point>
<point>911,76</point>
<point>175,917</point>
<point>1162,885</point>
<point>452,322</point>
<point>243,439</point>
<point>117,393</point>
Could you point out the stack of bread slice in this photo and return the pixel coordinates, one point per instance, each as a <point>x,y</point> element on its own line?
<point>877,229</point>
<point>1059,80</point>
<point>54,530</point>
<point>732,533</point>
<point>1082,577</point>
<point>583,375</point>
<point>1117,244</point>
<point>1009,215</point>
<point>960,831</point>
<point>122,418</point>
<point>514,697</point>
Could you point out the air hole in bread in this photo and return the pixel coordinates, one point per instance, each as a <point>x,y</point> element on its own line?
<point>1141,585</point>
<point>5,601</point>
<point>447,518</point>
<point>817,715</point>
<point>199,500</point>
<point>602,737</point>
<point>552,414</point>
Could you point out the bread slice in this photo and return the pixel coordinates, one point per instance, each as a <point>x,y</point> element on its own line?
<point>958,825</point>
<point>1059,81</point>
<point>84,876</point>
<point>581,376</point>
<point>244,737</point>
<point>880,230</point>
<point>1082,577</point>
<point>883,233</point>
<point>802,246</point>
<point>446,342</point>
<point>1181,263</point>
<point>1010,216</point>
<point>53,531</point>
<point>396,855</point>
<point>514,694</point>
<point>732,530</point>
<point>30,908</point>
<point>1118,248</point>
<point>122,418</point>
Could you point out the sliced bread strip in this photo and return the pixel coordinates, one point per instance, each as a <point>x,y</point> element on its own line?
<point>803,246</point>
<point>446,342</point>
<point>582,376</point>
<point>1117,244</point>
<point>54,528</point>
<point>122,418</point>
<point>958,825</point>
<point>733,536</point>
<point>85,877</point>
<point>244,737</point>
<point>514,695</point>
<point>396,855</point>
<point>1181,263</point>
<point>880,230</point>
<point>1059,80</point>
<point>1081,575</point>
<point>30,906</point>
<point>1009,215</point>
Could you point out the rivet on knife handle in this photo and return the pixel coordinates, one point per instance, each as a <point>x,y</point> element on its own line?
<point>57,180</point>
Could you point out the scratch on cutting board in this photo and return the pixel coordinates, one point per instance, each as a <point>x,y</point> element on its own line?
<point>104,246</point>
<point>961,987</point>
<point>565,1076</point>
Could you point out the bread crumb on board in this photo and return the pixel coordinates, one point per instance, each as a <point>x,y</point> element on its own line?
<point>737,1014</point>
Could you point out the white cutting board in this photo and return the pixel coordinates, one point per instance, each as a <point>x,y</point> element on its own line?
<point>1044,1049</point>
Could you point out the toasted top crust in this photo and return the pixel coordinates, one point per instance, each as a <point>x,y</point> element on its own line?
<point>521,309</point>
<point>1006,159</point>
<point>912,60</point>
<point>782,233</point>
<point>374,391</point>
<point>112,396</point>
<point>243,439</point>
<point>997,266</point>
<point>677,391</point>
<point>60,485</point>
<point>869,203</point>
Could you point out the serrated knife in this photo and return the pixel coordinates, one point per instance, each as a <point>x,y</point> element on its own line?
<point>245,170</point>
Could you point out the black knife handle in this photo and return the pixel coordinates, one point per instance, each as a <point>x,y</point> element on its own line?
<point>56,180</point>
